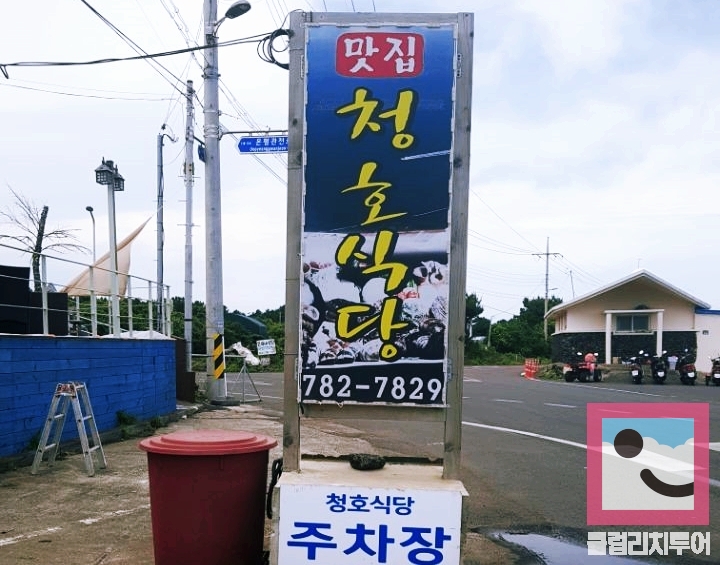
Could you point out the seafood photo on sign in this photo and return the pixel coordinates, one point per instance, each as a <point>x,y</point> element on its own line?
<point>343,299</point>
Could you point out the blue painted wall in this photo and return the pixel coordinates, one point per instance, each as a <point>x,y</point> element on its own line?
<point>135,376</point>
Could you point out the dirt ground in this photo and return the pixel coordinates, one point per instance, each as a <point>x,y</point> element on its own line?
<point>62,516</point>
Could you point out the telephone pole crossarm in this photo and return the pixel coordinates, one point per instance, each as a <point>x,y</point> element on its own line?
<point>547,255</point>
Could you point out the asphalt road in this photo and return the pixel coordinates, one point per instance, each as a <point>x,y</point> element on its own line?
<point>544,476</point>
<point>534,480</point>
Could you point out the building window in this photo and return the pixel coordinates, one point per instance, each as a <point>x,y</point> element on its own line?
<point>632,323</point>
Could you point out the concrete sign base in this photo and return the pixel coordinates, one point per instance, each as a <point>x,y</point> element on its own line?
<point>332,514</point>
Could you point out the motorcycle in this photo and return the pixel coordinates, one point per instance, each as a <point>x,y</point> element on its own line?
<point>714,374</point>
<point>686,368</point>
<point>584,368</point>
<point>658,368</point>
<point>636,367</point>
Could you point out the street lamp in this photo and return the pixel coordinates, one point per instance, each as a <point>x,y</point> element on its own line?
<point>107,174</point>
<point>234,11</point>
<point>160,230</point>
<point>214,308</point>
<point>93,301</point>
<point>91,209</point>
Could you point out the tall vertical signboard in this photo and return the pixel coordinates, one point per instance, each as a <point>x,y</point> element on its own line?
<point>376,260</point>
<point>378,171</point>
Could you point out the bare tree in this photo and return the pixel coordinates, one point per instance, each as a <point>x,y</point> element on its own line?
<point>30,221</point>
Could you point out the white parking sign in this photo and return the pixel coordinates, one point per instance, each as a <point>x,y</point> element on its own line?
<point>360,525</point>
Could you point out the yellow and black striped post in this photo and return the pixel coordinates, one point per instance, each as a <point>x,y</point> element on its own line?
<point>218,356</point>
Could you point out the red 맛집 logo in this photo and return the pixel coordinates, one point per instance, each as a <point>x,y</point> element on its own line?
<point>379,55</point>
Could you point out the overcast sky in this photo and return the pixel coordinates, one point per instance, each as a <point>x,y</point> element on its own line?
<point>595,124</point>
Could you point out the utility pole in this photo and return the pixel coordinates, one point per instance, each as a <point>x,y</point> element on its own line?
<point>547,255</point>
<point>160,229</point>
<point>214,306</point>
<point>189,170</point>
<point>214,315</point>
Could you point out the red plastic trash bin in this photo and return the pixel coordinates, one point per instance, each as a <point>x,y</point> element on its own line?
<point>207,496</point>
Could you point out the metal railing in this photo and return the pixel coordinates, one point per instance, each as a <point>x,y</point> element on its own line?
<point>88,310</point>
<point>238,379</point>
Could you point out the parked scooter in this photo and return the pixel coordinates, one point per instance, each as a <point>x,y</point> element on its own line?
<point>686,368</point>
<point>583,368</point>
<point>636,367</point>
<point>658,368</point>
<point>714,374</point>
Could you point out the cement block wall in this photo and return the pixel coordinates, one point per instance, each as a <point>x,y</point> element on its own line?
<point>134,376</point>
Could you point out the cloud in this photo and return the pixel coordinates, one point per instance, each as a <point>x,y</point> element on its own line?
<point>595,124</point>
<point>578,35</point>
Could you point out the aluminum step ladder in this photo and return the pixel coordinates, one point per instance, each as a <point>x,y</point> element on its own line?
<point>65,394</point>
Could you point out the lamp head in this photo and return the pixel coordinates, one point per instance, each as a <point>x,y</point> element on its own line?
<point>118,182</point>
<point>237,9</point>
<point>90,209</point>
<point>104,173</point>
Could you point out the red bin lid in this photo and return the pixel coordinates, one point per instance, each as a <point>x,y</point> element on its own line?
<point>207,442</point>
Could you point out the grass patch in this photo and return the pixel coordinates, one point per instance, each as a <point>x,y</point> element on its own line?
<point>552,372</point>
<point>125,419</point>
<point>33,442</point>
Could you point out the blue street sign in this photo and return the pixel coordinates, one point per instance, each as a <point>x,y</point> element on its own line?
<point>263,144</point>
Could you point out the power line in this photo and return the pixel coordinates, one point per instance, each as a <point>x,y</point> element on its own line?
<point>91,89</point>
<point>502,219</point>
<point>132,44</point>
<point>568,265</point>
<point>519,279</point>
<point>547,255</point>
<point>243,114</point>
<point>249,39</point>
<point>276,12</point>
<point>75,94</point>
<point>182,27</point>
<point>177,98</point>
<point>510,249</point>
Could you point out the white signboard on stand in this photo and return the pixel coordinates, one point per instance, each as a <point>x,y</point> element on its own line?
<point>360,525</point>
<point>265,347</point>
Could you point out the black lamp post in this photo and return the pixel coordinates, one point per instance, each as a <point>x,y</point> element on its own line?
<point>107,174</point>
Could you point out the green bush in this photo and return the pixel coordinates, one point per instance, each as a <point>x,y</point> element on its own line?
<point>479,354</point>
<point>552,372</point>
<point>125,419</point>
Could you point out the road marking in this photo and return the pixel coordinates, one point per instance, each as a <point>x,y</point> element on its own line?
<point>15,539</point>
<point>580,385</point>
<point>87,521</point>
<point>524,433</point>
<point>506,400</point>
<point>559,405</point>
<point>466,380</point>
<point>712,482</point>
<point>714,445</point>
<point>631,392</point>
<point>104,515</point>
